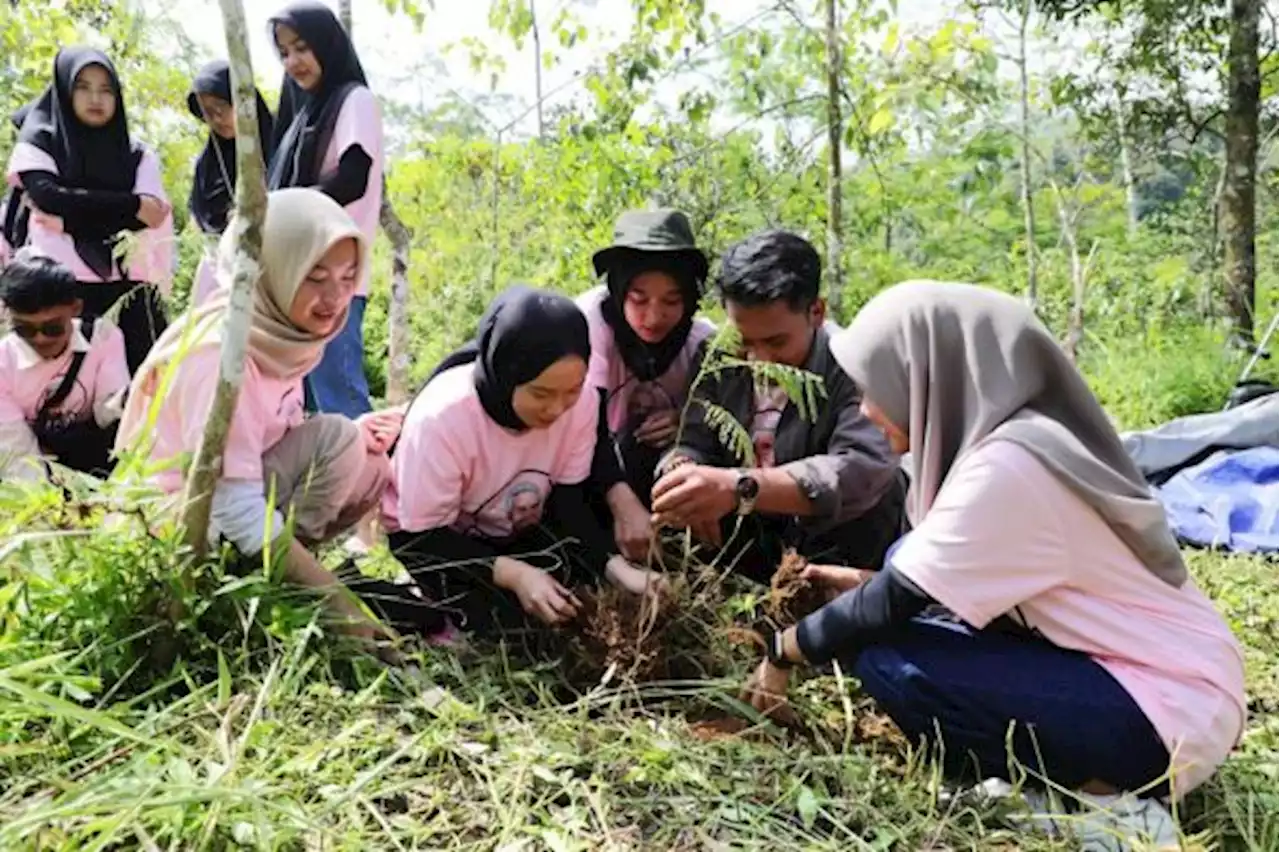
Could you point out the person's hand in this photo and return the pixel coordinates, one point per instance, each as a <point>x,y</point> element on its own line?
<point>47,221</point>
<point>708,532</point>
<point>152,210</point>
<point>638,581</point>
<point>766,691</point>
<point>538,592</point>
<point>631,528</point>
<point>381,428</point>
<point>835,580</point>
<point>694,495</point>
<point>659,429</point>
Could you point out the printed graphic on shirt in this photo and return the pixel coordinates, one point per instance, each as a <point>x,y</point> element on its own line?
<point>645,400</point>
<point>516,507</point>
<point>770,401</point>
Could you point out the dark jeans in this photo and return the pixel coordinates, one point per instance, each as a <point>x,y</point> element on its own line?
<point>757,548</point>
<point>989,699</point>
<point>338,385</point>
<point>141,318</point>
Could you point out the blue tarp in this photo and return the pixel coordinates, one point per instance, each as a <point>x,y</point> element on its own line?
<point>1230,500</point>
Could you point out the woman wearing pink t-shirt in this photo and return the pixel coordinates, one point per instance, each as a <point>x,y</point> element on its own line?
<point>323,473</point>
<point>85,181</point>
<point>489,476</point>
<point>329,136</point>
<point>644,338</point>
<point>1084,651</point>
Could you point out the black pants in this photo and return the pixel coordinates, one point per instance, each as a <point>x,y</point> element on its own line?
<point>141,318</point>
<point>464,593</point>
<point>757,547</point>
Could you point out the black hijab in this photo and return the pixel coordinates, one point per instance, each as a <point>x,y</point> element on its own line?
<point>648,361</point>
<point>16,214</point>
<point>305,121</point>
<point>101,158</point>
<point>524,331</point>
<point>214,185</point>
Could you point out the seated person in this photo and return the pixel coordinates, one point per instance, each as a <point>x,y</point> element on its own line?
<point>644,336</point>
<point>831,487</point>
<point>61,379</point>
<point>489,473</point>
<point>323,472</point>
<point>1087,654</point>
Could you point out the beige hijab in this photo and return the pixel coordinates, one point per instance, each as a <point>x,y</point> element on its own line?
<point>955,366</point>
<point>301,225</point>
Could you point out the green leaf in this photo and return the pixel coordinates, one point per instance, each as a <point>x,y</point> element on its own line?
<point>224,680</point>
<point>807,805</point>
<point>880,121</point>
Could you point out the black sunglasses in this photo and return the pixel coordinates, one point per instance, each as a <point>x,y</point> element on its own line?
<point>29,330</point>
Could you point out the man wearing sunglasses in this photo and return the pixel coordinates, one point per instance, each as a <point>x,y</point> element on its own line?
<point>61,380</point>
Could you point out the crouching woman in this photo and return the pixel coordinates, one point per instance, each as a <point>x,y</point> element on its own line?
<point>1085,652</point>
<point>489,507</point>
<point>323,473</point>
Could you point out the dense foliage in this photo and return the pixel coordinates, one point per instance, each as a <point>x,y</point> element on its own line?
<point>139,712</point>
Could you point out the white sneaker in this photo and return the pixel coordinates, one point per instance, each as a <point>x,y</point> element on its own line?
<point>1124,822</point>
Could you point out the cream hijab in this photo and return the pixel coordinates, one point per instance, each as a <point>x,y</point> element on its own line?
<point>955,366</point>
<point>301,226</point>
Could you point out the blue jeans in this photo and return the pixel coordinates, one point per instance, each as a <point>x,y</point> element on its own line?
<point>990,699</point>
<point>337,385</point>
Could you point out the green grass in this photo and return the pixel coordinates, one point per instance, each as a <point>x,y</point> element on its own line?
<point>235,722</point>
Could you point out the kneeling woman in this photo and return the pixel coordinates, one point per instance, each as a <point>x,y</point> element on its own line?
<point>644,339</point>
<point>324,472</point>
<point>490,468</point>
<point>1087,653</point>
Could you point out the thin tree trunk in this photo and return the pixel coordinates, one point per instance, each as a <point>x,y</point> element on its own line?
<point>251,208</point>
<point>1126,164</point>
<point>398,359</point>
<point>1028,209</point>
<point>1238,224</point>
<point>835,249</point>
<point>537,66</point>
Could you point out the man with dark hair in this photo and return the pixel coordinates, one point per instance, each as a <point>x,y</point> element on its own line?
<point>61,379</point>
<point>828,486</point>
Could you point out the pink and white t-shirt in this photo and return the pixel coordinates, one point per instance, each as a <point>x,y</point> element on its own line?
<point>360,123</point>
<point>27,380</point>
<point>265,411</point>
<point>630,401</point>
<point>152,260</point>
<point>455,467</point>
<point>770,400</point>
<point>1005,536</point>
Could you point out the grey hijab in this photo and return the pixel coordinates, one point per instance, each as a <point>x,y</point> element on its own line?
<point>955,366</point>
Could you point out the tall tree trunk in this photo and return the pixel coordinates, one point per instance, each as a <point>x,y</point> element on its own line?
<point>1126,164</point>
<point>1239,261</point>
<point>398,359</point>
<point>1024,124</point>
<point>835,217</point>
<point>537,66</point>
<point>251,208</point>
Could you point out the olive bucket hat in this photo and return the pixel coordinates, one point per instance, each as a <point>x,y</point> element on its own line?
<point>652,231</point>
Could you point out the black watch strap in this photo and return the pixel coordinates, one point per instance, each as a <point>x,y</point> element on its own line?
<point>775,652</point>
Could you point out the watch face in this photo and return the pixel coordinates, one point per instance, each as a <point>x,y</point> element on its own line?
<point>748,487</point>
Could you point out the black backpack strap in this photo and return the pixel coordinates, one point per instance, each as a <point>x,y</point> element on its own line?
<point>69,378</point>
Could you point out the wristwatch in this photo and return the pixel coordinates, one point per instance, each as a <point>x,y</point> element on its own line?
<point>776,652</point>
<point>747,490</point>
